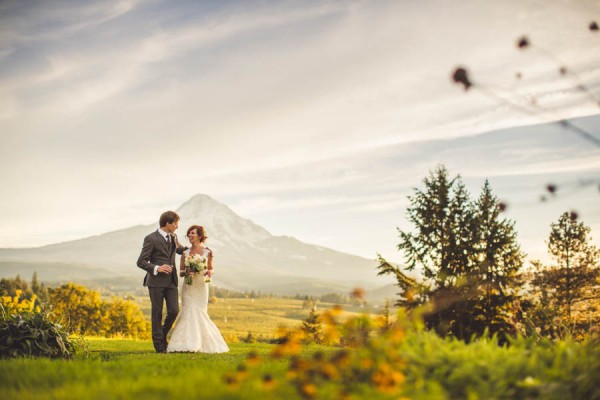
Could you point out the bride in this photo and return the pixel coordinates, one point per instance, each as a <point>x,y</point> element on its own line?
<point>194,331</point>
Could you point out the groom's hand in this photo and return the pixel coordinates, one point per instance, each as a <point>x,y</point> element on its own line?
<point>165,269</point>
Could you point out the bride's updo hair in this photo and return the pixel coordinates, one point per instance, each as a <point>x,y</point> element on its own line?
<point>200,231</point>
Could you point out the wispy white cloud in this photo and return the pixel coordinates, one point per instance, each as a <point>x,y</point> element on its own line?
<point>331,203</point>
<point>78,76</point>
<point>57,20</point>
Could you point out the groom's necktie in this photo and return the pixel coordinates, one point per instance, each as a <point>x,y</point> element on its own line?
<point>169,239</point>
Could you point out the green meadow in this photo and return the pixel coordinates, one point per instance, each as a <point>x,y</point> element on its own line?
<point>433,368</point>
<point>126,369</point>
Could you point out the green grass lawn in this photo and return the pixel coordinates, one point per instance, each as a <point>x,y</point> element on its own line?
<point>124,369</point>
<point>434,368</point>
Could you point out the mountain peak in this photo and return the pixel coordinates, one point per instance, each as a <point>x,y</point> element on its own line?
<point>222,223</point>
<point>202,198</point>
<point>200,205</point>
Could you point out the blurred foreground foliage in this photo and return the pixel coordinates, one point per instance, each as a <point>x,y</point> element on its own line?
<point>371,358</point>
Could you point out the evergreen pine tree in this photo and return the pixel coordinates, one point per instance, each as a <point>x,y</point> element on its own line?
<point>499,259</point>
<point>572,277</point>
<point>311,327</point>
<point>35,285</point>
<point>468,255</point>
<point>386,315</point>
<point>43,295</point>
<point>429,246</point>
<point>443,246</point>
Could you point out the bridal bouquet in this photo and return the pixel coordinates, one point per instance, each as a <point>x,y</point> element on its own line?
<point>196,264</point>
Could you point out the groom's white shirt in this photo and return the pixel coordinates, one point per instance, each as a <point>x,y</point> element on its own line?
<point>163,234</point>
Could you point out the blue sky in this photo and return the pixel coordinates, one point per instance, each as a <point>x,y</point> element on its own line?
<point>314,119</point>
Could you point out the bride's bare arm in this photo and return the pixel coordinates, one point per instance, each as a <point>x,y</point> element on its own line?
<point>210,258</point>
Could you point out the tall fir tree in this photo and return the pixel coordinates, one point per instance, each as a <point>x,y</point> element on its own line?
<point>572,276</point>
<point>445,228</point>
<point>35,285</point>
<point>443,246</point>
<point>499,260</point>
<point>467,253</point>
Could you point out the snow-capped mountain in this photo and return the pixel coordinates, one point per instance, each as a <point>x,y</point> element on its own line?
<point>224,226</point>
<point>247,256</point>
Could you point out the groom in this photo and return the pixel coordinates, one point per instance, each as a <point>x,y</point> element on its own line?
<point>158,260</point>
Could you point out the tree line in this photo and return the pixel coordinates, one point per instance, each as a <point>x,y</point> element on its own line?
<point>79,309</point>
<point>473,279</point>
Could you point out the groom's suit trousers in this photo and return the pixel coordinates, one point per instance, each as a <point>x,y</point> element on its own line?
<point>160,331</point>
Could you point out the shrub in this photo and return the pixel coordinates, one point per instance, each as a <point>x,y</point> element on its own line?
<point>125,319</point>
<point>86,313</point>
<point>311,326</point>
<point>249,338</point>
<point>18,303</point>
<point>80,307</point>
<point>33,335</point>
<point>232,338</point>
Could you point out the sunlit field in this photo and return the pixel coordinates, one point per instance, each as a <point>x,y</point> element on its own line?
<point>261,316</point>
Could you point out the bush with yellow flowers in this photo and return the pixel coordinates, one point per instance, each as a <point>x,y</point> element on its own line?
<point>16,305</point>
<point>84,312</point>
<point>359,360</point>
<point>27,331</point>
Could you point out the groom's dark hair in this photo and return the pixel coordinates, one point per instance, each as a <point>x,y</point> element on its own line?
<point>168,217</point>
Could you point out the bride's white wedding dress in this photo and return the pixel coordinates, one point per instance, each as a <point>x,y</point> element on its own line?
<point>194,331</point>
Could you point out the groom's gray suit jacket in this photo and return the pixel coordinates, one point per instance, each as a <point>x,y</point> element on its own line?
<point>156,251</point>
